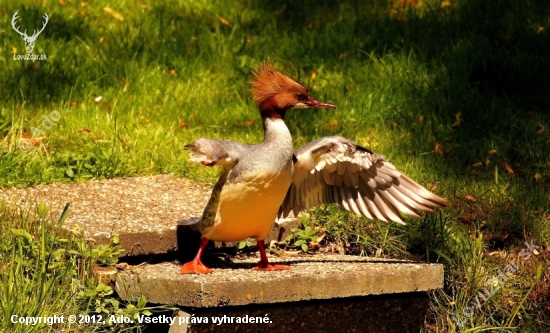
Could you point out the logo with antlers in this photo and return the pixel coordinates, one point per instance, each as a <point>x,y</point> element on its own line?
<point>29,40</point>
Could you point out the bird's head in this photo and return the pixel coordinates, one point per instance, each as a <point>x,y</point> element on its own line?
<point>276,93</point>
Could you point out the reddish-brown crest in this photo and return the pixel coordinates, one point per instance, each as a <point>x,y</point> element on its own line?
<point>270,87</point>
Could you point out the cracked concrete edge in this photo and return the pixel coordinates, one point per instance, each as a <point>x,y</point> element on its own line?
<point>168,287</point>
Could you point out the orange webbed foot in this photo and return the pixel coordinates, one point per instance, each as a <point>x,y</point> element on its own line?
<point>269,267</point>
<point>195,267</point>
<point>264,265</point>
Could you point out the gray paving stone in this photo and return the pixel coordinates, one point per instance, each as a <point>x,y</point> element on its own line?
<point>311,278</point>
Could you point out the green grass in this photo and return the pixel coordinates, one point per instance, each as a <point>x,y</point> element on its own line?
<point>46,271</point>
<point>469,77</point>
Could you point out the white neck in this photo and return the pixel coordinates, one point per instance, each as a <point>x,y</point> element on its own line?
<point>276,131</point>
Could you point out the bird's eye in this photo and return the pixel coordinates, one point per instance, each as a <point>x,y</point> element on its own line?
<point>301,96</point>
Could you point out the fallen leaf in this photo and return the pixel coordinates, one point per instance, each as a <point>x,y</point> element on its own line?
<point>223,20</point>
<point>492,152</point>
<point>466,219</point>
<point>62,2</point>
<point>27,143</point>
<point>182,124</point>
<point>538,177</point>
<point>419,119</point>
<point>122,266</point>
<point>457,119</point>
<point>247,123</point>
<point>313,75</point>
<point>469,197</point>
<point>541,129</point>
<point>475,165</point>
<point>86,131</point>
<point>280,10</point>
<point>172,72</point>
<point>114,14</point>
<point>315,244</point>
<point>393,124</point>
<point>74,103</point>
<point>334,123</point>
<point>509,169</point>
<point>438,149</point>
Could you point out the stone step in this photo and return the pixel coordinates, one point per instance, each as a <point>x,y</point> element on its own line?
<point>318,284</point>
<point>311,277</point>
<point>144,211</point>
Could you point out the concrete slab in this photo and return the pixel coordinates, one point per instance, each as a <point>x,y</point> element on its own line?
<point>145,211</point>
<point>311,278</point>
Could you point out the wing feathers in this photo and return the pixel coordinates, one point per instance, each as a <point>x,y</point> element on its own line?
<point>335,170</point>
<point>399,205</point>
<point>217,152</point>
<point>364,210</point>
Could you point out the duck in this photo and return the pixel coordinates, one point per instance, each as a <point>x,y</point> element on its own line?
<point>260,182</point>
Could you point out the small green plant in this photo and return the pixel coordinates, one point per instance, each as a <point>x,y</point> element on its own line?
<point>357,235</point>
<point>100,297</point>
<point>107,254</point>
<point>101,300</point>
<point>246,243</point>
<point>302,237</point>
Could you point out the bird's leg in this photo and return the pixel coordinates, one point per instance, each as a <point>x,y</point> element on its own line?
<point>196,266</point>
<point>264,265</point>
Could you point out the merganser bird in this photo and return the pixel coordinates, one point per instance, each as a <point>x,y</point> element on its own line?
<point>260,182</point>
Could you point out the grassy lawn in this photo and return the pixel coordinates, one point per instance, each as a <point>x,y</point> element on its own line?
<point>454,93</point>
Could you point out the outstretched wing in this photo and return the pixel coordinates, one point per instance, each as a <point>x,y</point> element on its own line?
<point>217,152</point>
<point>335,170</point>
